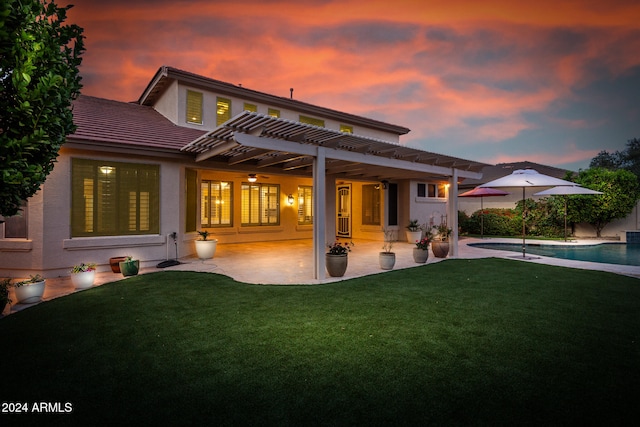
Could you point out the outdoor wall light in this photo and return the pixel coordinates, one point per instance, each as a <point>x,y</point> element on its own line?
<point>252,177</point>
<point>290,199</point>
<point>384,184</point>
<point>106,169</point>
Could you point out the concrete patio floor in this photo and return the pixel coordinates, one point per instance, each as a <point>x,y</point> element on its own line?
<point>291,263</point>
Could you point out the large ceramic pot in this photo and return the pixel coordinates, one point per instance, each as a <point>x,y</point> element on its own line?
<point>30,293</point>
<point>413,236</point>
<point>130,268</point>
<point>336,264</point>
<point>420,255</point>
<point>206,249</point>
<point>84,279</point>
<point>440,249</point>
<point>387,260</point>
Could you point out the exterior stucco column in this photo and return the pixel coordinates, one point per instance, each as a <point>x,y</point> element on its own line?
<point>319,215</point>
<point>452,214</point>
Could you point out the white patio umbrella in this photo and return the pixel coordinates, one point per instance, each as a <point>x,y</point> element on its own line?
<point>482,193</point>
<point>566,191</point>
<point>524,178</point>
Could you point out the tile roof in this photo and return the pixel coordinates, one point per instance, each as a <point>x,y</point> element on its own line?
<point>127,124</point>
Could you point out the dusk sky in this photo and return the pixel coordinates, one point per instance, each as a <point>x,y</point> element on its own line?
<point>551,81</point>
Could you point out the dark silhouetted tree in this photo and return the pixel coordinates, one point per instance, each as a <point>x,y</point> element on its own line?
<point>39,78</point>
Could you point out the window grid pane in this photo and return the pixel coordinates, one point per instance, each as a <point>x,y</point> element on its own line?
<point>305,205</point>
<point>260,204</point>
<point>194,107</point>
<point>371,204</point>
<point>312,121</point>
<point>112,198</point>
<point>223,110</point>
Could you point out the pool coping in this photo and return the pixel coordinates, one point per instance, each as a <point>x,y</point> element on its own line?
<point>471,251</point>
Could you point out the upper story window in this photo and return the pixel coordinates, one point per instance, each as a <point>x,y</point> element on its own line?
<point>114,199</point>
<point>311,121</point>
<point>250,107</point>
<point>305,205</point>
<point>223,110</point>
<point>194,107</point>
<point>346,128</point>
<point>432,190</point>
<point>216,203</point>
<point>273,112</point>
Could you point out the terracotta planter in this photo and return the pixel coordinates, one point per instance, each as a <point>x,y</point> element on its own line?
<point>336,264</point>
<point>420,255</point>
<point>130,268</point>
<point>84,279</point>
<point>440,249</point>
<point>114,263</point>
<point>30,293</point>
<point>206,249</point>
<point>387,260</point>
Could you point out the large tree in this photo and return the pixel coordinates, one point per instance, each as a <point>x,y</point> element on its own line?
<point>39,78</point>
<point>621,193</point>
<point>628,159</point>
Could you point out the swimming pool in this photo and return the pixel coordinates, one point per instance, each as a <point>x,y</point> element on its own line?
<point>609,253</point>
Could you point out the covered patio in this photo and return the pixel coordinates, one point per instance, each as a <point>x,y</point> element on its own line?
<point>252,141</point>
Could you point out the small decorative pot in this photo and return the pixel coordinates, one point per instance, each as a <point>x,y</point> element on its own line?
<point>420,255</point>
<point>130,268</point>
<point>387,260</point>
<point>440,249</point>
<point>206,249</point>
<point>30,292</point>
<point>114,263</point>
<point>336,264</point>
<point>84,279</point>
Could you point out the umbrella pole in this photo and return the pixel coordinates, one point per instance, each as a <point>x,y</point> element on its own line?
<point>565,218</point>
<point>481,219</point>
<point>523,232</point>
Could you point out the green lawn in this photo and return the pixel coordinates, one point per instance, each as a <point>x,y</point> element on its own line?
<point>460,342</point>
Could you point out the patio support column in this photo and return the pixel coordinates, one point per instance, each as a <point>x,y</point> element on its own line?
<point>452,213</point>
<point>319,215</point>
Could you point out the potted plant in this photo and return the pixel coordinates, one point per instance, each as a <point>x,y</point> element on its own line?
<point>440,246</point>
<point>414,231</point>
<point>83,275</point>
<point>387,258</point>
<point>5,284</point>
<point>130,266</point>
<point>31,290</point>
<point>205,248</point>
<point>336,259</point>
<point>421,251</point>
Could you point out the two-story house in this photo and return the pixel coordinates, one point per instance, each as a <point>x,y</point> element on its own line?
<point>194,153</point>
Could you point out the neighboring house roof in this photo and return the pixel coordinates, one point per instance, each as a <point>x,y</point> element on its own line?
<point>489,173</point>
<point>165,75</point>
<point>106,122</point>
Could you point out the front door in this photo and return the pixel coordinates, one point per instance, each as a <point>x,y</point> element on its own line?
<point>343,220</point>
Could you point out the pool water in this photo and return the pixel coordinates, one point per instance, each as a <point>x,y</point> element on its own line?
<point>609,253</point>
